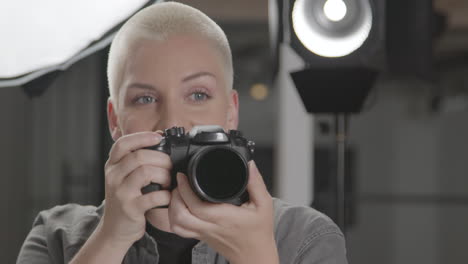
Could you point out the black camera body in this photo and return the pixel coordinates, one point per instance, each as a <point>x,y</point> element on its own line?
<point>214,161</point>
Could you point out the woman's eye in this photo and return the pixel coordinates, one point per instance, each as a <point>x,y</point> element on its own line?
<point>199,96</point>
<point>145,100</point>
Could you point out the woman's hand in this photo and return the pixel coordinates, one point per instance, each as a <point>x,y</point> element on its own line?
<point>128,169</point>
<point>242,234</point>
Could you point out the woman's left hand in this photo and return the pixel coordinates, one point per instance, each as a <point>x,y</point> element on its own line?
<point>242,234</point>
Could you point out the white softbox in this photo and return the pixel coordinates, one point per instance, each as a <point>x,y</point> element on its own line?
<point>40,37</point>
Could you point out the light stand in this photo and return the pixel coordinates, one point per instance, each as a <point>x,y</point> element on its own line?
<point>340,92</point>
<point>341,129</point>
<point>342,45</point>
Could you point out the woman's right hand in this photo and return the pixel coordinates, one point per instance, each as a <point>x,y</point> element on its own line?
<point>128,169</point>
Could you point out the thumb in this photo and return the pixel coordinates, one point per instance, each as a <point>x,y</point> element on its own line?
<point>256,188</point>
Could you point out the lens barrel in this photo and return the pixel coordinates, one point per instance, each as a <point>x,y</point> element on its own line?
<point>218,173</point>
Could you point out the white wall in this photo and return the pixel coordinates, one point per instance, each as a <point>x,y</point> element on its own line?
<point>294,153</point>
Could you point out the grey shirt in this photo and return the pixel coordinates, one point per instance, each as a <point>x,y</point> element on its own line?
<point>303,235</point>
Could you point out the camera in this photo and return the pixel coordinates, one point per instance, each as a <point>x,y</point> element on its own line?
<point>214,161</point>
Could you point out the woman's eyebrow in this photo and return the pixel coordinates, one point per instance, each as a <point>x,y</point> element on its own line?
<point>198,75</point>
<point>144,86</point>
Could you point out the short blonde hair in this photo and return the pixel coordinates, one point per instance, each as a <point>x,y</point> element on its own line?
<point>159,22</point>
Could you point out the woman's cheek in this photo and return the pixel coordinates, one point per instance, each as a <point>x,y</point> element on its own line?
<point>137,123</point>
<point>211,117</point>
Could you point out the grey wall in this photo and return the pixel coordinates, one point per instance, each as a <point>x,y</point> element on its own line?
<point>14,163</point>
<point>51,149</point>
<point>412,184</point>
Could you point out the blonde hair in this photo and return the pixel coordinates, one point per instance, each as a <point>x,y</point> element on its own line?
<point>159,22</point>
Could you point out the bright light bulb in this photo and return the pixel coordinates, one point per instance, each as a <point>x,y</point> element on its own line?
<point>335,10</point>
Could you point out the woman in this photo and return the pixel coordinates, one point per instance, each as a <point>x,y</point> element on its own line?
<point>170,65</point>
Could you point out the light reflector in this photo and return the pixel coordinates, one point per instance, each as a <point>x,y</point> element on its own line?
<point>337,32</point>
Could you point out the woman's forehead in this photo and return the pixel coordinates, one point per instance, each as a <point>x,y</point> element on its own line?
<point>178,55</point>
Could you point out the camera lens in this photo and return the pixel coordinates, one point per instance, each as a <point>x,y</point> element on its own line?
<point>218,174</point>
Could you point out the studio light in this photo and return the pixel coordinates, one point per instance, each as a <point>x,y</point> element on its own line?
<point>341,43</point>
<point>335,10</point>
<point>344,45</point>
<point>332,28</point>
<point>42,37</point>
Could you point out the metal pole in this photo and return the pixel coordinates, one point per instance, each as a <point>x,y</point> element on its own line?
<point>341,123</point>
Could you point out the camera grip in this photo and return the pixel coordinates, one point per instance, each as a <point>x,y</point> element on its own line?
<point>152,187</point>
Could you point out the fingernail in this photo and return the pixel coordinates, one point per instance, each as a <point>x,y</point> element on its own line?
<point>157,136</point>
<point>254,165</point>
<point>179,177</point>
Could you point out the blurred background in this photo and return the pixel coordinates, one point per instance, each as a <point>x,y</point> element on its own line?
<point>403,137</point>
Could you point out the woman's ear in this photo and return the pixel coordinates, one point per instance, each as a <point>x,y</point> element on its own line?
<point>113,121</point>
<point>233,110</point>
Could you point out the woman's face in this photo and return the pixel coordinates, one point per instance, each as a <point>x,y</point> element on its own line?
<point>177,82</point>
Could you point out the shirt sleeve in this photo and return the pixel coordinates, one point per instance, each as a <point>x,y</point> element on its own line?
<point>325,248</point>
<point>34,249</point>
<point>57,234</point>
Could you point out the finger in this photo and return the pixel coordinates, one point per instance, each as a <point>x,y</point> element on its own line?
<point>151,200</point>
<point>134,160</point>
<point>183,222</point>
<point>258,193</point>
<point>204,210</point>
<point>132,142</point>
<point>144,175</point>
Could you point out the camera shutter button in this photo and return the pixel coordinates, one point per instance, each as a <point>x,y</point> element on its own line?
<point>180,131</point>
<point>235,133</point>
<point>175,131</point>
<point>171,131</point>
<point>251,147</point>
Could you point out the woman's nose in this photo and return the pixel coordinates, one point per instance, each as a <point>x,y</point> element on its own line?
<point>171,116</point>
